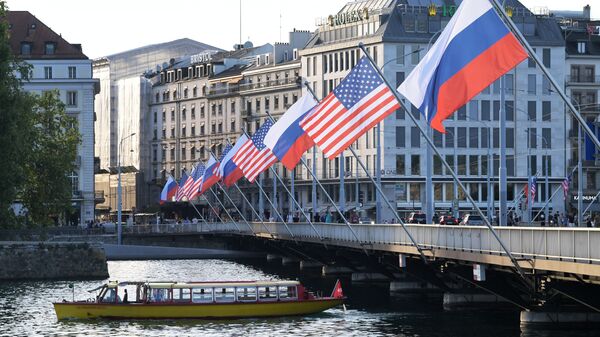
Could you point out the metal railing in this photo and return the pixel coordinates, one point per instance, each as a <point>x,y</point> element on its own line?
<point>580,245</point>
<point>583,79</point>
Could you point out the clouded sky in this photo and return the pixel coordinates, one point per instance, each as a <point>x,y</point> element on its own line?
<point>112,26</point>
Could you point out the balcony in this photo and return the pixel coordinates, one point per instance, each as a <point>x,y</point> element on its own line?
<point>273,84</point>
<point>231,89</point>
<point>586,164</point>
<point>582,79</point>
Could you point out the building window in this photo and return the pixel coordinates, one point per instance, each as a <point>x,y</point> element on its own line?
<point>193,131</point>
<point>183,133</point>
<point>193,112</point>
<point>26,48</point>
<point>582,47</point>
<point>172,154</point>
<point>400,54</point>
<point>172,132</point>
<point>415,137</point>
<point>485,110</point>
<point>183,153</point>
<point>531,84</point>
<point>400,136</point>
<point>50,48</point>
<point>546,135</point>
<point>415,165</point>
<point>532,138</point>
<point>71,98</point>
<point>48,73</point>
<point>183,114</point>
<point>72,72</point>
<point>415,56</point>
<point>233,107</point>
<point>473,138</point>
<point>172,115</point>
<point>546,57</point>
<point>531,61</point>
<point>546,111</point>
<point>276,101</point>
<point>531,110</point>
<point>450,137</point>
<point>232,126</point>
<point>461,137</point>
<point>185,93</point>
<point>400,164</point>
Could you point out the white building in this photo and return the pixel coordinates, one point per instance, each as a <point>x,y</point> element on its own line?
<point>59,65</point>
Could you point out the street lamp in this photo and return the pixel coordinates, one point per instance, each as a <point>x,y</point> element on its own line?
<point>119,189</point>
<point>547,168</point>
<point>455,162</point>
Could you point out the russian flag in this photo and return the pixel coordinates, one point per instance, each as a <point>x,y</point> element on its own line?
<point>474,50</point>
<point>228,170</point>
<point>211,175</point>
<point>286,138</point>
<point>168,191</point>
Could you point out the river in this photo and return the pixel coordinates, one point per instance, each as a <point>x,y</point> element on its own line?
<point>26,309</point>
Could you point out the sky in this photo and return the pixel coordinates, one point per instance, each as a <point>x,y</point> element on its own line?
<point>112,26</point>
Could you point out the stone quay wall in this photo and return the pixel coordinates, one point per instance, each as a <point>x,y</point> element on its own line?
<point>56,260</point>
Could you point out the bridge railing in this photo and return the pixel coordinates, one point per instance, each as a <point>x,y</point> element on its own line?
<point>553,243</point>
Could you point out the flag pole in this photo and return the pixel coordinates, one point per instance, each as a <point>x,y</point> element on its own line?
<point>234,205</point>
<point>327,196</point>
<point>275,203</point>
<point>290,194</point>
<point>217,213</point>
<point>555,85</point>
<point>257,214</point>
<point>197,211</point>
<point>314,183</point>
<point>378,188</point>
<point>342,172</point>
<point>246,199</point>
<point>502,186</point>
<point>448,167</point>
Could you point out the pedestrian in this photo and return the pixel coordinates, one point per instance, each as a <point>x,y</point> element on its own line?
<point>328,217</point>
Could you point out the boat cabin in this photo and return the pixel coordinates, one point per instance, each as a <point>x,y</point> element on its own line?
<point>201,292</point>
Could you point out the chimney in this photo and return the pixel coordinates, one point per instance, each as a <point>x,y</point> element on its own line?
<point>587,12</point>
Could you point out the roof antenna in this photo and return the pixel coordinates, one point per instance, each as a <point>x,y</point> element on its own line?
<point>280,25</point>
<point>240,21</point>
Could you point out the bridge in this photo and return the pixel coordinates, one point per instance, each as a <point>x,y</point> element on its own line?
<point>560,266</point>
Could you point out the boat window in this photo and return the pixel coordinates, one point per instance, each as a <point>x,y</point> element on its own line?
<point>109,296</point>
<point>267,293</point>
<point>246,294</point>
<point>200,295</point>
<point>224,294</point>
<point>158,295</point>
<point>181,295</point>
<point>287,293</point>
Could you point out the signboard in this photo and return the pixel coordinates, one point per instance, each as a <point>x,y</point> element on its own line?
<point>203,57</point>
<point>585,198</point>
<point>593,30</point>
<point>348,17</point>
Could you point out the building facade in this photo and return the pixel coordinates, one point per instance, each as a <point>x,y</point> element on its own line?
<point>582,85</point>
<point>397,34</point>
<point>60,65</point>
<point>121,110</point>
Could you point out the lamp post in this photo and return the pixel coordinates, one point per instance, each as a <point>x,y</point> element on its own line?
<point>119,189</point>
<point>455,192</point>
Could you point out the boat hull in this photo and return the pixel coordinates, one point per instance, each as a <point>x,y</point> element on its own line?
<point>191,310</point>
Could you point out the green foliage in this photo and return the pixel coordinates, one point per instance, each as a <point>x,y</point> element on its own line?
<point>38,144</point>
<point>15,123</point>
<point>47,189</point>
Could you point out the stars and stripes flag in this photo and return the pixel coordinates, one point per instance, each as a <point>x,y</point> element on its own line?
<point>185,189</point>
<point>182,181</point>
<point>532,188</point>
<point>565,185</point>
<point>196,176</point>
<point>359,102</point>
<point>254,156</point>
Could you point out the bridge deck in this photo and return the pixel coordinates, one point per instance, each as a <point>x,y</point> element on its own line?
<point>555,249</point>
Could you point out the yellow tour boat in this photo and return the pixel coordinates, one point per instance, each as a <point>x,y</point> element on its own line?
<point>214,300</point>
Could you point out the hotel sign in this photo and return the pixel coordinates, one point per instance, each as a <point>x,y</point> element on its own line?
<point>203,57</point>
<point>348,17</point>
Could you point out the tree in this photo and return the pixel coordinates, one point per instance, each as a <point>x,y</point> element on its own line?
<point>15,123</point>
<point>47,188</point>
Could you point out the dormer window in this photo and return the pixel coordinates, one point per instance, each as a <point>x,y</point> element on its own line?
<point>50,48</point>
<point>26,48</point>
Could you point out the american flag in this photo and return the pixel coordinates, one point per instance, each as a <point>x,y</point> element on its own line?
<point>254,157</point>
<point>181,186</point>
<point>532,188</point>
<point>565,185</point>
<point>185,189</point>
<point>197,174</point>
<point>359,102</point>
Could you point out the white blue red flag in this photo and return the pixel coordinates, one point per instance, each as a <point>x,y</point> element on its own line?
<point>254,156</point>
<point>211,175</point>
<point>474,50</point>
<point>197,174</point>
<point>286,138</point>
<point>359,102</point>
<point>182,181</point>
<point>565,185</point>
<point>229,171</point>
<point>168,191</point>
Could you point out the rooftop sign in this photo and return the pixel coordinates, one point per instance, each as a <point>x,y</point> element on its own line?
<point>203,57</point>
<point>348,17</point>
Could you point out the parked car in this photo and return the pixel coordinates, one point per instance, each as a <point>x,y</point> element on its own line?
<point>416,217</point>
<point>448,220</point>
<point>472,220</point>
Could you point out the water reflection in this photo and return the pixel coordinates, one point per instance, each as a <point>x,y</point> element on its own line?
<point>25,308</point>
